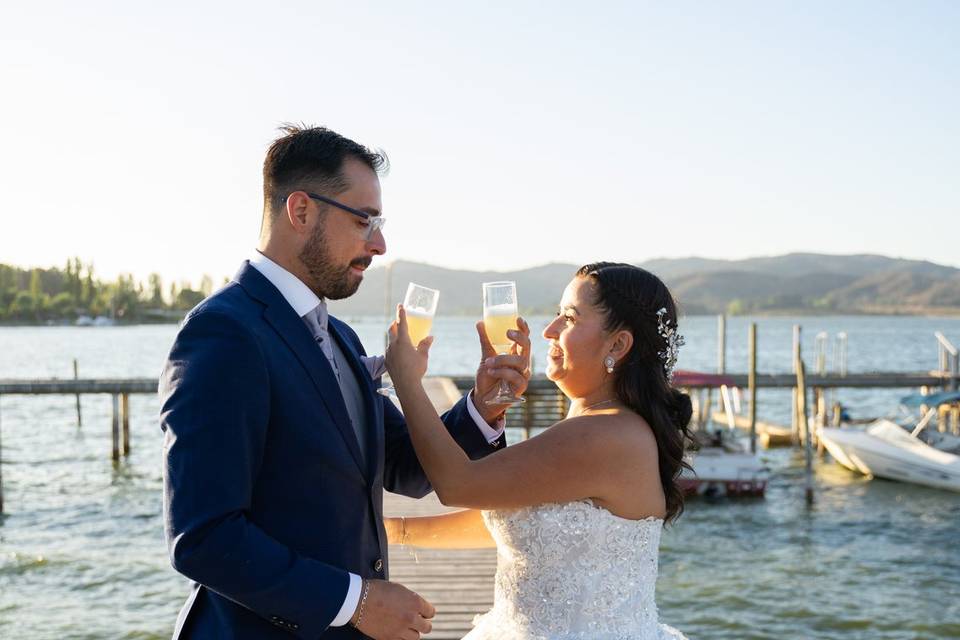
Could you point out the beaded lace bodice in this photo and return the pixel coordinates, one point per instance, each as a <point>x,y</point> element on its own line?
<point>573,571</point>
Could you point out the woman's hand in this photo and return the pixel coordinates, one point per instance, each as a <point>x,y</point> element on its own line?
<point>512,368</point>
<point>404,360</point>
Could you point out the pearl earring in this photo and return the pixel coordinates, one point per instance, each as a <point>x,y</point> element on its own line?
<point>608,362</point>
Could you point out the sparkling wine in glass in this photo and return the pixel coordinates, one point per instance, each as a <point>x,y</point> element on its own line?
<point>420,303</point>
<point>500,316</point>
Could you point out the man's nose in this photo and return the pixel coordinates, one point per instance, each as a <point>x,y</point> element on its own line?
<point>377,245</point>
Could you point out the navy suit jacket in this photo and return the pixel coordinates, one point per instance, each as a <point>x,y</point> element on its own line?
<point>267,502</point>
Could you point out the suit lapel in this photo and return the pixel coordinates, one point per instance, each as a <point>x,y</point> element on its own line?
<point>292,330</point>
<point>374,432</point>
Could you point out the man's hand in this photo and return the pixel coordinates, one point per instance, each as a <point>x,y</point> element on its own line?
<point>513,367</point>
<point>393,612</point>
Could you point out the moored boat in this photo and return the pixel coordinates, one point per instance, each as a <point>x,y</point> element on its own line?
<point>724,466</point>
<point>886,449</point>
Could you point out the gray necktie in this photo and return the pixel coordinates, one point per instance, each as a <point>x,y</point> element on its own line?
<point>316,320</point>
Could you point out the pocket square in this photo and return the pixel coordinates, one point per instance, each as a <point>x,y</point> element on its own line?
<point>376,365</point>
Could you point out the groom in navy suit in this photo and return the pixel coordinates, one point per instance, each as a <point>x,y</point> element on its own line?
<point>277,448</point>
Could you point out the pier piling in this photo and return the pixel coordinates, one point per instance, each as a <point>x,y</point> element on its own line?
<point>752,384</point>
<point>721,344</point>
<point>125,421</point>
<point>115,428</point>
<point>1,465</point>
<point>949,357</point>
<point>807,431</point>
<point>795,418</point>
<point>76,376</point>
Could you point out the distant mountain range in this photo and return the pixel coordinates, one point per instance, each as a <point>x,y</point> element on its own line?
<point>793,283</point>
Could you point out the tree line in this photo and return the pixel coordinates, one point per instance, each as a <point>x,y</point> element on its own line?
<point>29,296</point>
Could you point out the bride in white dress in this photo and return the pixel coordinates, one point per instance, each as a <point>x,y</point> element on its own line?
<point>575,512</point>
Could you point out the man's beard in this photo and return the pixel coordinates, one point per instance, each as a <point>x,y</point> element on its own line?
<point>328,280</point>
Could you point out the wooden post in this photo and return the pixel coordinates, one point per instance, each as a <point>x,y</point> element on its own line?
<point>1,469</point>
<point>821,350</point>
<point>817,398</point>
<point>706,408</point>
<point>807,440</point>
<point>125,417</point>
<point>721,365</point>
<point>955,371</point>
<point>115,428</point>
<point>837,414</point>
<point>76,375</point>
<point>821,396</point>
<point>842,339</point>
<point>752,384</point>
<point>821,421</point>
<point>721,344</point>
<point>796,347</point>
<point>795,419</point>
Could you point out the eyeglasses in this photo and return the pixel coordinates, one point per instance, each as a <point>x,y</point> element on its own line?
<point>374,223</point>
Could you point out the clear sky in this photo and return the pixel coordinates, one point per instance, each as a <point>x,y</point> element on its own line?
<point>519,133</point>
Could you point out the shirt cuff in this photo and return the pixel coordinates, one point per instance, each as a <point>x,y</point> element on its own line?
<point>350,602</point>
<point>492,434</point>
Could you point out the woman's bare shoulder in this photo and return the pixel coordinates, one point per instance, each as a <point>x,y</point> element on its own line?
<point>623,432</point>
<point>621,457</point>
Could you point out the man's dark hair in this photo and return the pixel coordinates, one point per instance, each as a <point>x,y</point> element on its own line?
<point>312,158</point>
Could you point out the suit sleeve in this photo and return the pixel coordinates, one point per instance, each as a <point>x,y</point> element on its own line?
<point>215,407</point>
<point>402,471</point>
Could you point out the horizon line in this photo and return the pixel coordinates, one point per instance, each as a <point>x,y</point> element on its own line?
<point>392,262</point>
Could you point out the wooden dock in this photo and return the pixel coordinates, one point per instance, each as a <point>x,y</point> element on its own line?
<point>458,582</point>
<point>877,379</point>
<point>545,404</point>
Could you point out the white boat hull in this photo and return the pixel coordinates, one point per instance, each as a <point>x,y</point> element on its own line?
<point>716,471</point>
<point>886,450</point>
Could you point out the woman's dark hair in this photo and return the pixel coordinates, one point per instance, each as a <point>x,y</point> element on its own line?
<point>630,297</point>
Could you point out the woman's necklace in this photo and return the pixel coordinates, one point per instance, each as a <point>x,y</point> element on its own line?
<point>598,404</point>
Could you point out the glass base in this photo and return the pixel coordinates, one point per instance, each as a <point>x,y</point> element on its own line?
<point>506,399</point>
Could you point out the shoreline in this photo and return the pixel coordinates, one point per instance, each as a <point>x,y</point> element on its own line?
<point>786,313</point>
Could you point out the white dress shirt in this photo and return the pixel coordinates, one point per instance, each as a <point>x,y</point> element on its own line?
<point>304,301</point>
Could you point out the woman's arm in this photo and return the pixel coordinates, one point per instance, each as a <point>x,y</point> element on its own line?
<point>458,530</point>
<point>583,457</point>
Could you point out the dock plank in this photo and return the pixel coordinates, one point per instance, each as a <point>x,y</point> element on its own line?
<point>458,582</point>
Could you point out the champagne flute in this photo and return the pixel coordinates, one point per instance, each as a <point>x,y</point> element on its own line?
<point>500,316</point>
<point>420,303</point>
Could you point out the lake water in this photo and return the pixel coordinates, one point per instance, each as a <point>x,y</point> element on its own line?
<point>82,552</point>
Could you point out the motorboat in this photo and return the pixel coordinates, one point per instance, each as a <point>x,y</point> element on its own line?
<point>904,450</point>
<point>721,463</point>
<point>724,465</point>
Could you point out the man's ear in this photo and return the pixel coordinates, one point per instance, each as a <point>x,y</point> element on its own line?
<point>297,205</point>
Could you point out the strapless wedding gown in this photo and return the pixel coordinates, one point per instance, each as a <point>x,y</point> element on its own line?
<point>573,571</point>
